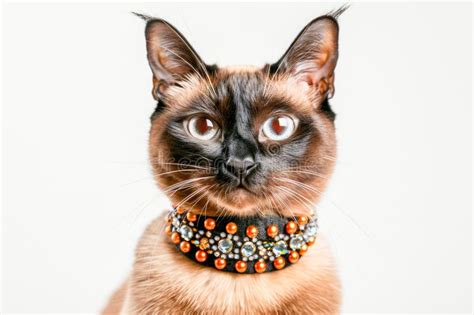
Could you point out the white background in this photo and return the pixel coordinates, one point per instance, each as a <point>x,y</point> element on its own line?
<point>77,186</point>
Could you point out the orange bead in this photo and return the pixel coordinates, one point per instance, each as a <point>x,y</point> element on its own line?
<point>168,230</point>
<point>175,238</point>
<point>231,228</point>
<point>260,266</point>
<point>191,217</point>
<point>252,231</point>
<point>220,263</point>
<point>241,266</point>
<point>302,220</point>
<point>272,230</point>
<point>291,227</point>
<point>279,262</point>
<point>303,249</point>
<point>311,240</point>
<point>180,210</point>
<point>201,256</point>
<point>210,224</point>
<point>293,257</point>
<point>185,247</point>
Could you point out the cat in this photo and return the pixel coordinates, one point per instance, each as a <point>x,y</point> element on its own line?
<point>241,152</point>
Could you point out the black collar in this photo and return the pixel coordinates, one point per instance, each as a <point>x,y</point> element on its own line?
<point>254,244</point>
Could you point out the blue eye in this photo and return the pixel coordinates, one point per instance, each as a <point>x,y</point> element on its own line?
<point>279,127</point>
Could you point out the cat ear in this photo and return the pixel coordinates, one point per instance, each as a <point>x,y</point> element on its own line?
<point>312,56</point>
<point>170,56</point>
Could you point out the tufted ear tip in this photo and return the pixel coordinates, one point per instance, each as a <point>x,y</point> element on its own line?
<point>142,16</point>
<point>335,14</point>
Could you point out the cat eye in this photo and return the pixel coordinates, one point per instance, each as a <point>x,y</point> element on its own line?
<point>201,127</point>
<point>279,127</point>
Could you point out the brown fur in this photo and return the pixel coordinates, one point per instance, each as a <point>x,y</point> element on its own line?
<point>165,282</point>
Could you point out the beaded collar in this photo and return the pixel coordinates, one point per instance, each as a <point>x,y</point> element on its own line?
<point>243,245</point>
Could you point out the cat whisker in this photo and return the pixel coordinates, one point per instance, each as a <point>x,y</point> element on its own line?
<point>219,211</point>
<point>197,192</point>
<point>204,209</point>
<point>344,213</point>
<point>185,165</point>
<point>330,158</point>
<point>138,210</point>
<point>208,187</point>
<point>285,204</point>
<point>306,167</point>
<point>272,202</point>
<point>299,184</point>
<point>305,172</point>
<point>176,171</point>
<point>293,194</point>
<point>298,194</point>
<point>187,181</point>
<point>300,197</point>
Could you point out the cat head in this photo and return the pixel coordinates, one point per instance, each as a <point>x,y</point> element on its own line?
<point>243,140</point>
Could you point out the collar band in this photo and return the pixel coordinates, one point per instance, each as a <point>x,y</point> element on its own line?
<point>241,244</point>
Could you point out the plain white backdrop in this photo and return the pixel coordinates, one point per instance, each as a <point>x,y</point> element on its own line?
<point>77,187</point>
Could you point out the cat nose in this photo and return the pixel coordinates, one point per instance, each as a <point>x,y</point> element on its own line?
<point>240,167</point>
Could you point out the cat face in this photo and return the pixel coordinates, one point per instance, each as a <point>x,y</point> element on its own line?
<point>243,140</point>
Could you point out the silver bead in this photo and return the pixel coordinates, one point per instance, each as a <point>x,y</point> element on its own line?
<point>186,232</point>
<point>248,249</point>
<point>297,242</point>
<point>280,248</point>
<point>225,245</point>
